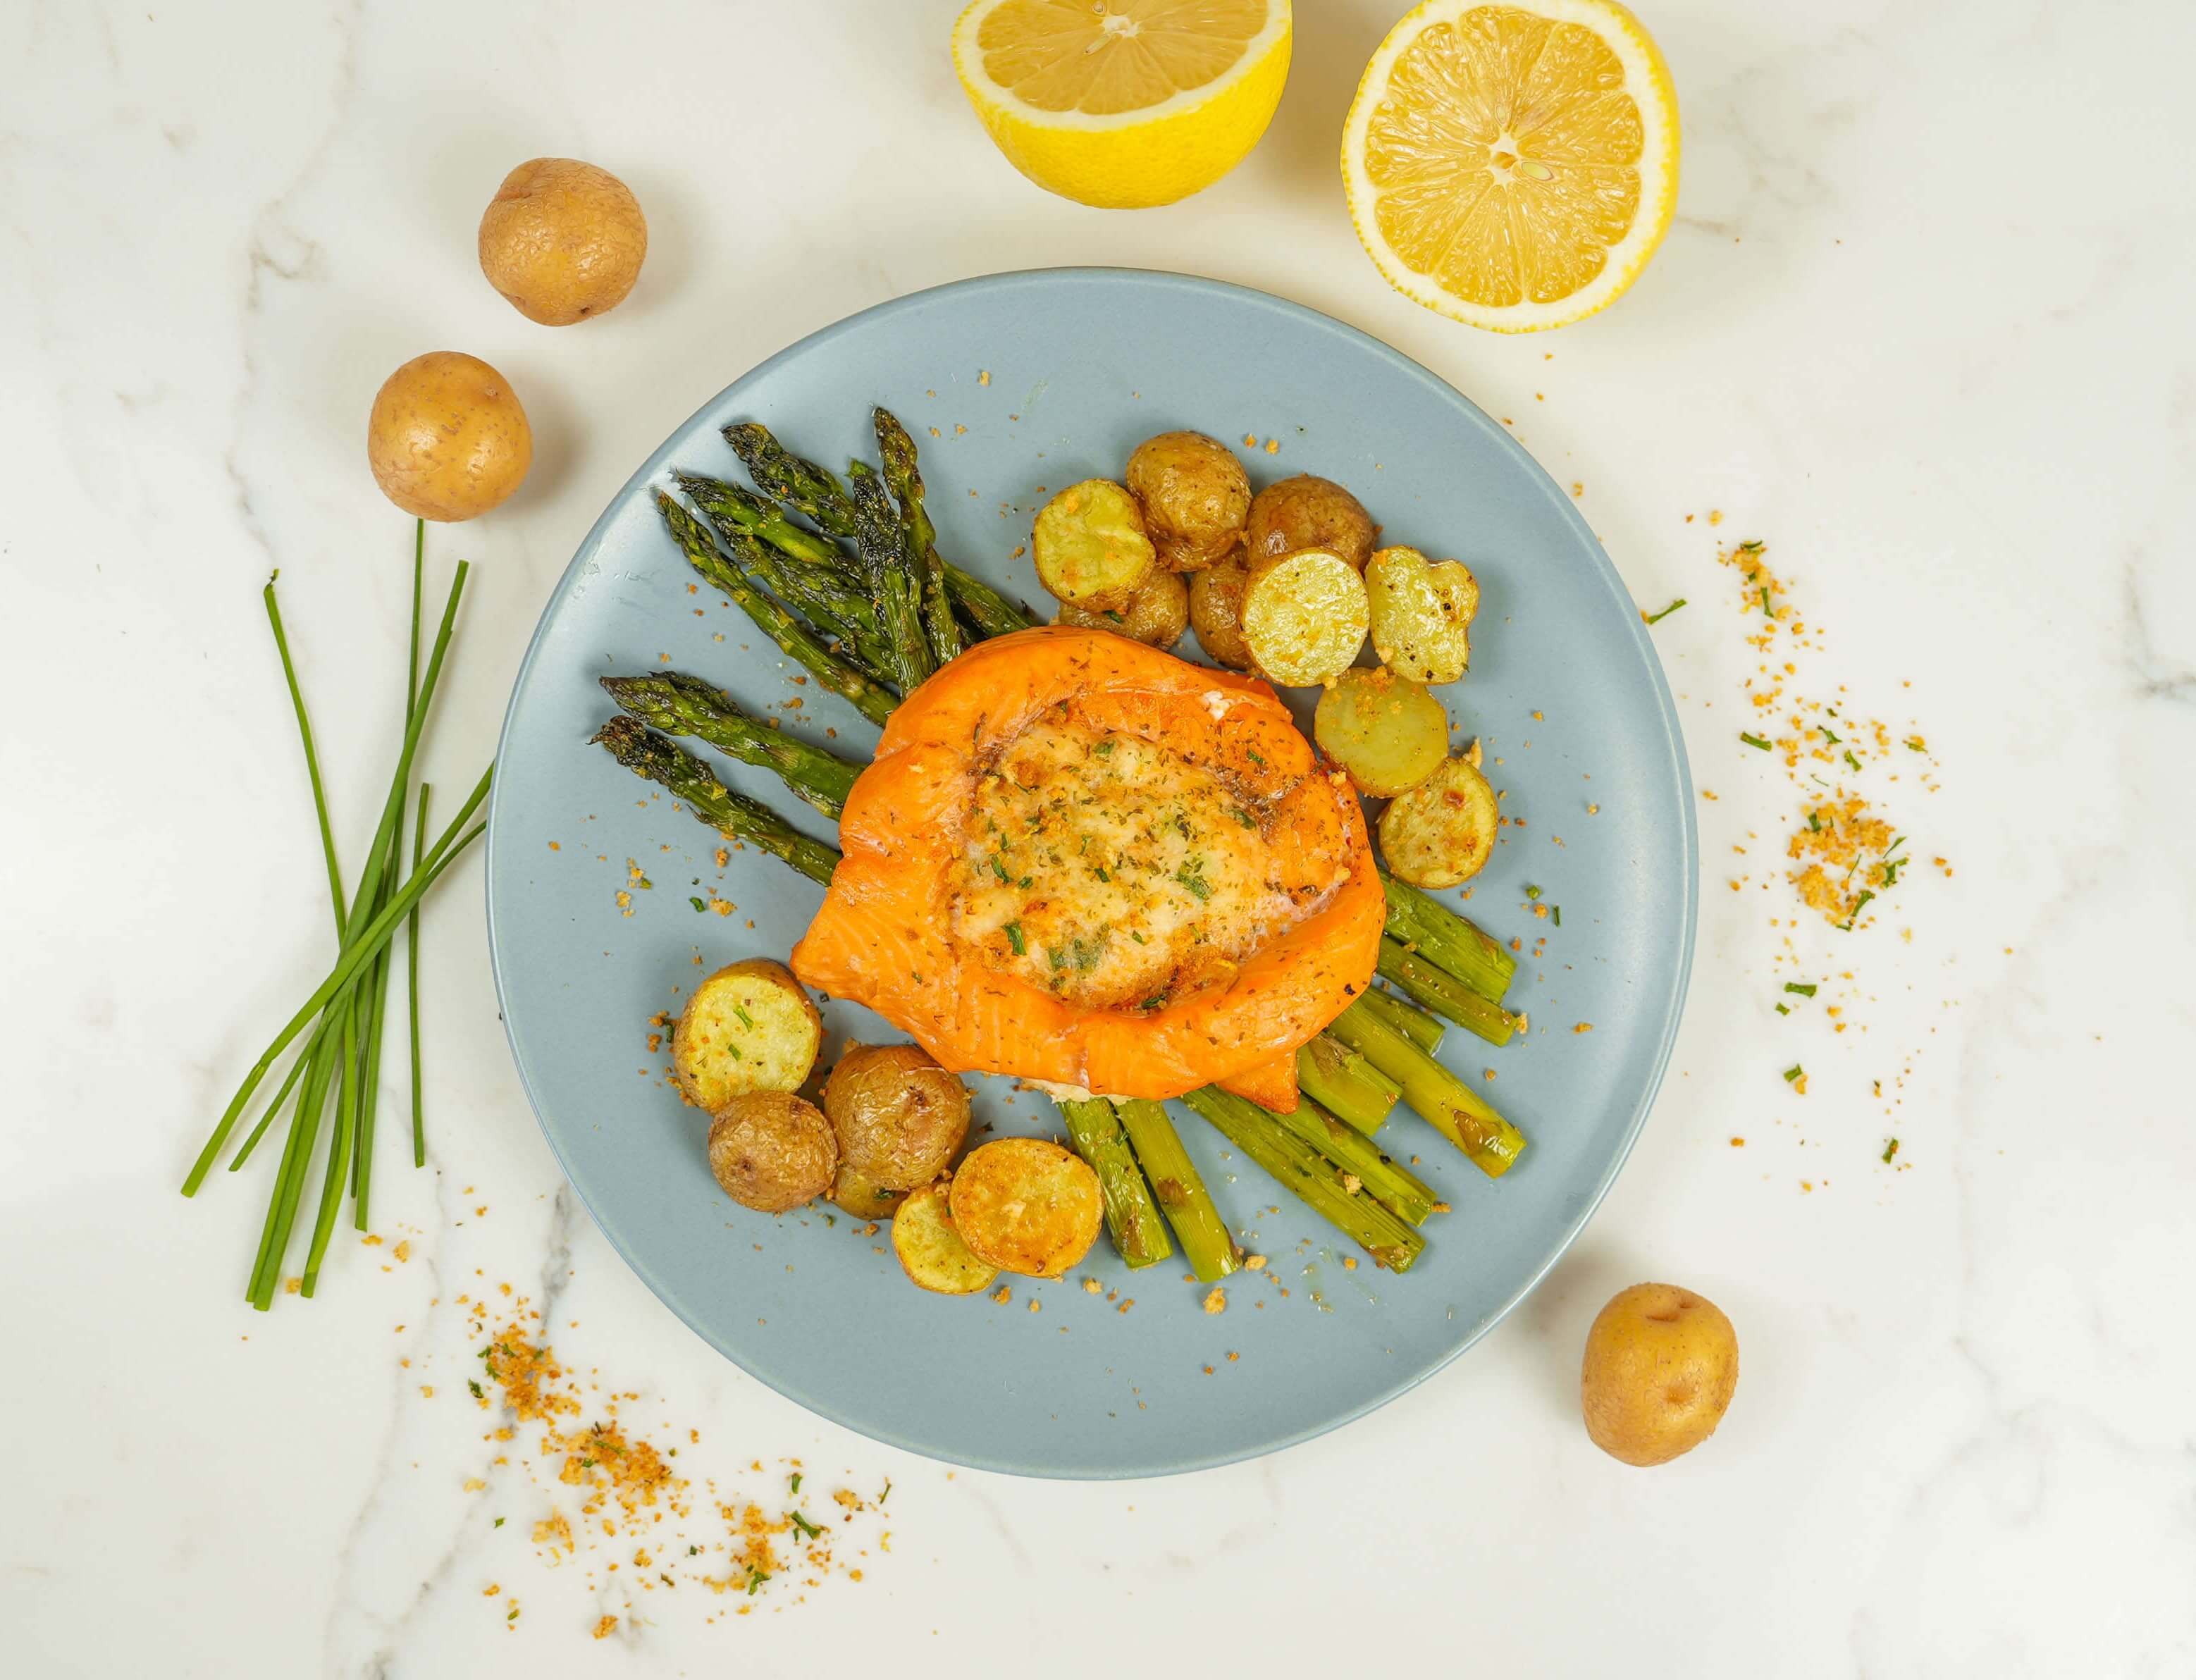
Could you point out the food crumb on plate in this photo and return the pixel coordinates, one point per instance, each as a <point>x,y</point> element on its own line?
<point>1217,1300</point>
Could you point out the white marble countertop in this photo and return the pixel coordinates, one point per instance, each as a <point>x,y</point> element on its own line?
<point>1922,325</point>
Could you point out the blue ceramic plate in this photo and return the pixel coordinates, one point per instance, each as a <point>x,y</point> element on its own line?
<point>1012,383</point>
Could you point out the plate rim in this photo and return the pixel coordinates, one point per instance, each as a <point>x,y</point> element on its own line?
<point>1604,570</point>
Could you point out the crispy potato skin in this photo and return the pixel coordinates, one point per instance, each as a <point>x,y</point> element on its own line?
<point>1307,512</point>
<point>1195,494</point>
<point>562,240</point>
<point>930,1249</point>
<point>1156,614</point>
<point>861,1197</point>
<point>1026,1205</point>
<point>446,438</point>
<point>1421,612</point>
<point>1216,613</point>
<point>777,1043</point>
<point>1441,832</point>
<point>1304,617</point>
<point>1660,1367</point>
<point>899,1115</point>
<point>1089,546</point>
<point>1385,732</point>
<point>771,1151</point>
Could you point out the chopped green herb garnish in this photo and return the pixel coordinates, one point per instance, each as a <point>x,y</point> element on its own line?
<point>1851,761</point>
<point>802,1526</point>
<point>1138,937</point>
<point>1834,740</point>
<point>1191,874</point>
<point>1253,757</point>
<point>1533,893</point>
<point>1115,616</point>
<point>1806,990</point>
<point>1102,875</point>
<point>1752,545</point>
<point>1814,823</point>
<point>1847,926</point>
<point>1753,741</point>
<point>1767,611</point>
<point>1244,817</point>
<point>1014,931</point>
<point>1781,1010</point>
<point>746,1019</point>
<point>1556,915</point>
<point>1656,618</point>
<point>478,1393</point>
<point>1794,1073</point>
<point>755,1578</point>
<point>1156,1000</point>
<point>1889,1150</point>
<point>498,1522</point>
<point>1000,869</point>
<point>795,1486</point>
<point>644,883</point>
<point>887,1494</point>
<point>1104,749</point>
<point>697,903</point>
<point>1914,744</point>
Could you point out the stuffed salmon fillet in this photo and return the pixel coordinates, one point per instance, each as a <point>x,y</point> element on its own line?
<point>1080,860</point>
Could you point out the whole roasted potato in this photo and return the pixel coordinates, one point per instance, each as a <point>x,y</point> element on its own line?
<point>1216,612</point>
<point>899,1116</point>
<point>1307,512</point>
<point>771,1151</point>
<point>562,240</point>
<point>447,439</point>
<point>1661,1365</point>
<point>1195,497</point>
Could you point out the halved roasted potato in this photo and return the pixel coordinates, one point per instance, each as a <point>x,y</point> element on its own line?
<point>1441,831</point>
<point>898,1115</point>
<point>748,1027</point>
<point>1422,613</point>
<point>1216,612</point>
<point>1304,617</point>
<point>771,1151</point>
<point>1307,512</point>
<point>1090,545</point>
<point>930,1249</point>
<point>1195,494</point>
<point>862,1197</point>
<point>1386,731</point>
<point>1156,613</point>
<point>1026,1205</point>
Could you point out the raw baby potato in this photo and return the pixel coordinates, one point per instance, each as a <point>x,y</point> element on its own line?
<point>1441,832</point>
<point>1386,731</point>
<point>862,1197</point>
<point>1089,546</point>
<point>1304,617</point>
<point>1156,614</point>
<point>1025,1205</point>
<point>446,438</point>
<point>562,240</point>
<point>1307,512</point>
<point>1216,613</point>
<point>771,1151</point>
<point>899,1116</point>
<point>930,1249</point>
<point>1422,613</point>
<point>1661,1365</point>
<point>1194,496</point>
<point>748,1027</point>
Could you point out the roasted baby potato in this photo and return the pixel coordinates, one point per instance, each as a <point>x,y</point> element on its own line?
<point>1304,617</point>
<point>1660,1367</point>
<point>930,1249</point>
<point>748,1027</point>
<point>771,1151</point>
<point>1156,613</point>
<point>1089,546</point>
<point>861,1197</point>
<point>1422,613</point>
<point>1216,612</point>
<point>1441,832</point>
<point>446,438</point>
<point>1194,495</point>
<point>1307,512</point>
<point>1025,1205</point>
<point>1386,731</point>
<point>898,1115</point>
<point>562,240</point>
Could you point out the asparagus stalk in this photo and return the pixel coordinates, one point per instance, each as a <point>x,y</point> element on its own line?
<point>736,506</point>
<point>896,449</point>
<point>1198,1227</point>
<point>732,815</point>
<point>1445,1102</point>
<point>1131,1216</point>
<point>808,490</point>
<point>824,590</point>
<point>1316,1179</point>
<point>1341,1081</point>
<point>792,637</point>
<point>1448,941</point>
<point>1406,1195</point>
<point>1407,1019</point>
<point>990,612</point>
<point>1441,991</point>
<point>893,580</point>
<point>678,704</point>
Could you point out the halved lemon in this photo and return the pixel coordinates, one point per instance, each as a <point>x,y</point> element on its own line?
<point>1124,103</point>
<point>1513,166</point>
